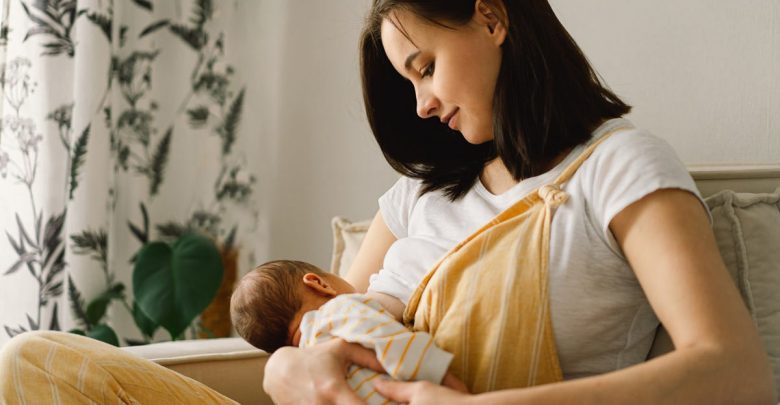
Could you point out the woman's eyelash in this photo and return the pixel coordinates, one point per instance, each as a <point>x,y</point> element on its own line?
<point>428,71</point>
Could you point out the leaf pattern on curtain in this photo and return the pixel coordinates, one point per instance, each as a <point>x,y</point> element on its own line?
<point>107,165</point>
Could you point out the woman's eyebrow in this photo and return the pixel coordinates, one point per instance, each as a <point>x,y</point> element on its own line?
<point>410,59</point>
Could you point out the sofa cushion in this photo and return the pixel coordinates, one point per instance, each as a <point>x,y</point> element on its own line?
<point>229,365</point>
<point>747,230</point>
<point>347,237</point>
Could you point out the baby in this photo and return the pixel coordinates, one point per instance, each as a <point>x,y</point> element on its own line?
<point>292,303</point>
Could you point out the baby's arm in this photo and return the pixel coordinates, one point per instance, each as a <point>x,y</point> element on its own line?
<point>393,305</point>
<point>356,318</point>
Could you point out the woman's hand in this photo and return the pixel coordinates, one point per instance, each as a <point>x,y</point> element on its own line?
<point>419,392</point>
<point>317,374</point>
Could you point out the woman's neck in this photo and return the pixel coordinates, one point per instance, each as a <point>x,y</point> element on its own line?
<point>497,179</point>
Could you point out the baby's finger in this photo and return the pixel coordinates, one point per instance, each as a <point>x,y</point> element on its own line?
<point>453,382</point>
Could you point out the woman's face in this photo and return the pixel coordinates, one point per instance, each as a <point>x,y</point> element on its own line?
<point>453,71</point>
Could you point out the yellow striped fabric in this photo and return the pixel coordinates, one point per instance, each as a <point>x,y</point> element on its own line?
<point>63,368</point>
<point>405,355</point>
<point>486,301</point>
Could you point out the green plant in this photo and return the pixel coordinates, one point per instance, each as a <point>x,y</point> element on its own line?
<point>173,282</point>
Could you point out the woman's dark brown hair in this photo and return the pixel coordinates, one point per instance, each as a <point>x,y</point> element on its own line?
<point>547,100</point>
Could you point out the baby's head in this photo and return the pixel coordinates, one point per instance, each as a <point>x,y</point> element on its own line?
<point>268,303</point>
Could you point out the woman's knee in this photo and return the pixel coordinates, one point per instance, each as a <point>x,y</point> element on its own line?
<point>24,344</point>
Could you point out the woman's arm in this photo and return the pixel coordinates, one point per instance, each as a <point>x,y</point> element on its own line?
<point>718,355</point>
<point>371,254</point>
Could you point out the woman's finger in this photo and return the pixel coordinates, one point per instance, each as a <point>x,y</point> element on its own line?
<point>394,390</point>
<point>307,376</point>
<point>357,354</point>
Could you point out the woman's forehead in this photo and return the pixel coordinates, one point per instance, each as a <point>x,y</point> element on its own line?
<point>402,35</point>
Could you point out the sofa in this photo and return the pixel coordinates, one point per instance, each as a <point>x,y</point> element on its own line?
<point>745,205</point>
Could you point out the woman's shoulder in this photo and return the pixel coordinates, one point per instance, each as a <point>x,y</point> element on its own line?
<point>633,148</point>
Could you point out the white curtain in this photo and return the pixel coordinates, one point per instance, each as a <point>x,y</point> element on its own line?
<point>121,121</point>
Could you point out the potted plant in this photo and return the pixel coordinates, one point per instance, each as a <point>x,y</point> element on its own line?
<point>174,280</point>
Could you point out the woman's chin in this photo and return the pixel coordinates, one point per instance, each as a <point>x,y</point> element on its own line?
<point>476,138</point>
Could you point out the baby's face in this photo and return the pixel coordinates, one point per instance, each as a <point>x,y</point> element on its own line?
<point>316,291</point>
<point>294,330</point>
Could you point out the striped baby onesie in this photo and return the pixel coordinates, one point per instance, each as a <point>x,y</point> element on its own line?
<point>356,318</point>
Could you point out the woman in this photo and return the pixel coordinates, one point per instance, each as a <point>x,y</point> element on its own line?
<point>480,102</point>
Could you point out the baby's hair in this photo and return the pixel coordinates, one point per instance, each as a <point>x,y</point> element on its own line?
<point>265,302</point>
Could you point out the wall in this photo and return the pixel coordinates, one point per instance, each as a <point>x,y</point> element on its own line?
<point>318,158</point>
<point>704,75</point>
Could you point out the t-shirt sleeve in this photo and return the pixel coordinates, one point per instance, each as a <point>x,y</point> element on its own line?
<point>624,169</point>
<point>396,205</point>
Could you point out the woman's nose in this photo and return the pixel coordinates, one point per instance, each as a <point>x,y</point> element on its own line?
<point>427,105</point>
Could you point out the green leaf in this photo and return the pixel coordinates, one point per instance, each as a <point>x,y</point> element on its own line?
<point>198,116</point>
<point>16,266</point>
<point>204,9</point>
<point>77,160</point>
<point>144,3</point>
<point>153,27</point>
<point>77,332</point>
<point>232,120</point>
<point>18,247</point>
<point>146,325</point>
<point>171,230</point>
<point>55,319</point>
<point>141,235</point>
<point>103,22</point>
<point>37,20</point>
<point>145,216</point>
<point>123,35</point>
<point>92,242</point>
<point>105,334</point>
<point>159,160</point>
<point>98,306</point>
<point>77,304</point>
<point>23,233</point>
<point>173,284</point>
<point>33,325</point>
<point>195,38</point>
<point>11,332</point>
<point>39,30</point>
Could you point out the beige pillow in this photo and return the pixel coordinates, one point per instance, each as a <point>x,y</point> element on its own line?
<point>347,237</point>
<point>747,230</point>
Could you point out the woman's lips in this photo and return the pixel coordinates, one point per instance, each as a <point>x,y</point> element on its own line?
<point>452,120</point>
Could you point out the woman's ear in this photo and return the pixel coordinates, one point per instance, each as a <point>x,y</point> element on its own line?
<point>318,285</point>
<point>492,15</point>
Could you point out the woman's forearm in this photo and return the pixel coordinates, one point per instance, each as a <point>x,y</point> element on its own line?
<point>694,375</point>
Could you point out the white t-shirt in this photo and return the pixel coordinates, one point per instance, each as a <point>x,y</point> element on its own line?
<point>601,318</point>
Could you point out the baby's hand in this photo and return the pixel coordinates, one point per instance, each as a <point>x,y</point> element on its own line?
<point>450,381</point>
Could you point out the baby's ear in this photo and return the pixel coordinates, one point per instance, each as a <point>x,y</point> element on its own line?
<point>318,284</point>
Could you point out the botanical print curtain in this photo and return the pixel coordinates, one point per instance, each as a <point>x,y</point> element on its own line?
<point>120,123</point>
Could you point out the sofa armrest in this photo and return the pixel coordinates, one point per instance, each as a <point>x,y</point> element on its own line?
<point>228,365</point>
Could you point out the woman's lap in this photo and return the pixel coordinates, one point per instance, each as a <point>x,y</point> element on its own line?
<point>57,367</point>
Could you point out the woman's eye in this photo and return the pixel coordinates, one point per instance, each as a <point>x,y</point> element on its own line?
<point>428,71</point>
